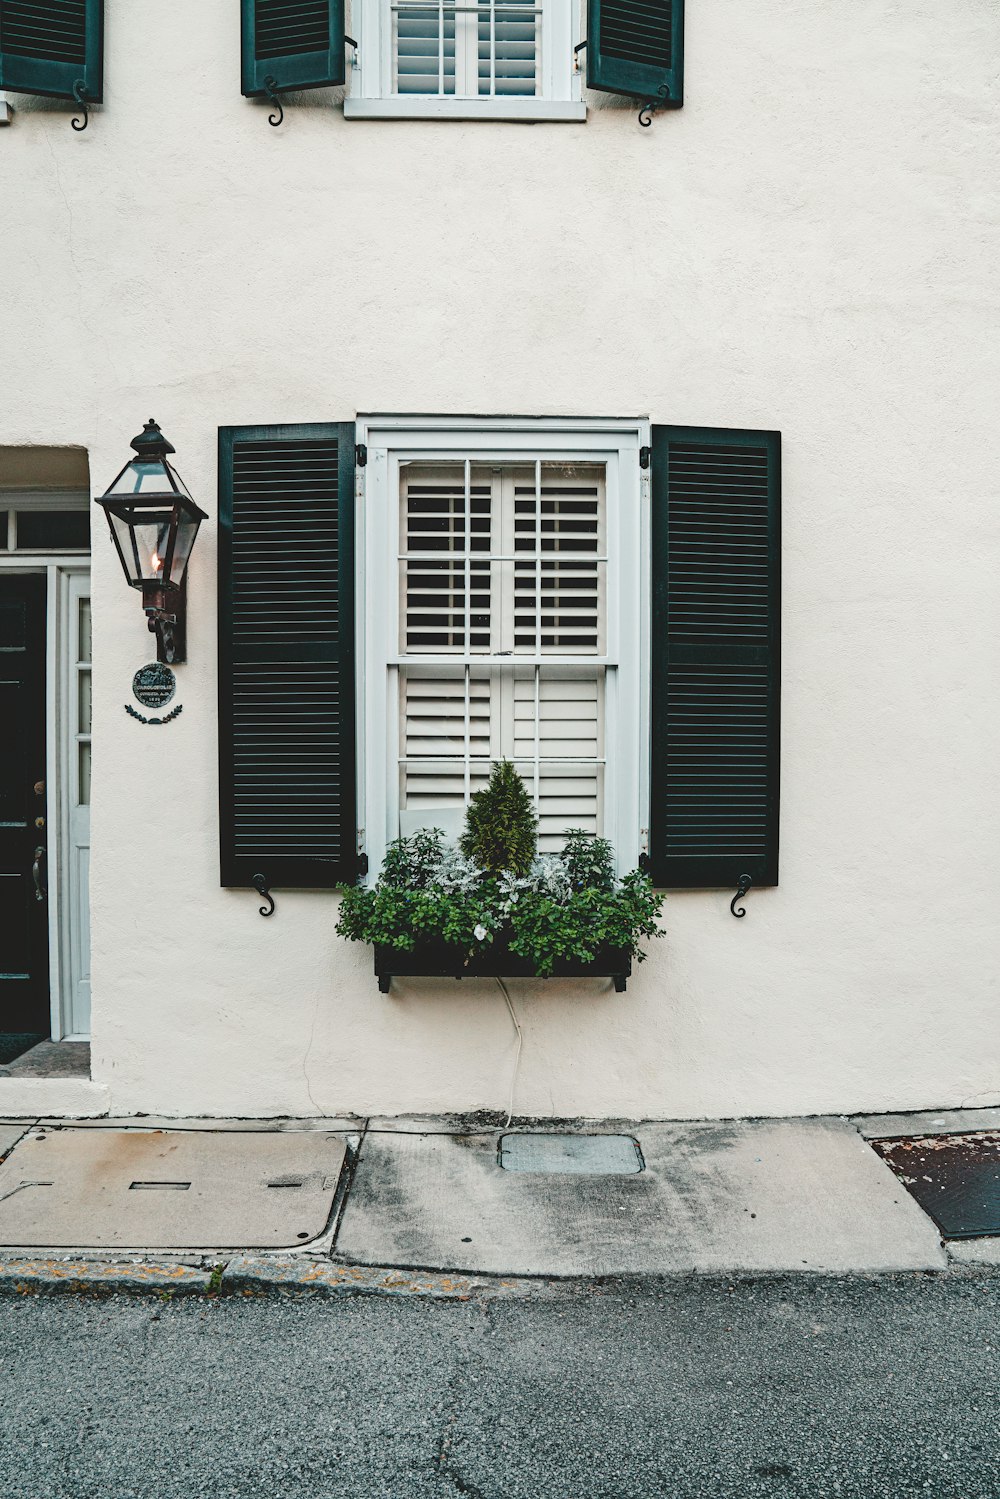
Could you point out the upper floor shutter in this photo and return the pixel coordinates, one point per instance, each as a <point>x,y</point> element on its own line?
<point>286,655</point>
<point>53,47</point>
<point>715,656</point>
<point>637,47</point>
<point>292,44</point>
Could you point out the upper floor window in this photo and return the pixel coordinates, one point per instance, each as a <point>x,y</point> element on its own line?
<point>466,59</point>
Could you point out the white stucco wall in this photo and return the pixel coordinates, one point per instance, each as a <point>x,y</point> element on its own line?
<point>810,244</point>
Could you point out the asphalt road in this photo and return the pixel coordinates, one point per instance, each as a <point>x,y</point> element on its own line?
<point>885,1388</point>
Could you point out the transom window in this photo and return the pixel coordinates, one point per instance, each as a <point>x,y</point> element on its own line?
<point>44,523</point>
<point>513,632</point>
<point>506,59</point>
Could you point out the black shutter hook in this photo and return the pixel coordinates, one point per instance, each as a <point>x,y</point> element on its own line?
<point>80,95</point>
<point>259,883</point>
<point>651,104</point>
<point>742,886</point>
<point>271,90</point>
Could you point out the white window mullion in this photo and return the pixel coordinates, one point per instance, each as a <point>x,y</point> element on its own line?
<point>467,564</point>
<point>538,742</point>
<point>441,47</point>
<point>538,557</point>
<point>467,760</point>
<point>493,49</point>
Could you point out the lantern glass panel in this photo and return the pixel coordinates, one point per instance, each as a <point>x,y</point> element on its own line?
<point>187,530</point>
<point>144,538</point>
<point>148,476</point>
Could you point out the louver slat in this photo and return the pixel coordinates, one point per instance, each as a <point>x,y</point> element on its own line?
<point>51,46</point>
<point>297,44</point>
<point>716,564</point>
<point>286,655</point>
<point>636,47</point>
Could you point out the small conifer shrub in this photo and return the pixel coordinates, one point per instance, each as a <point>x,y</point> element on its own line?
<point>500,824</point>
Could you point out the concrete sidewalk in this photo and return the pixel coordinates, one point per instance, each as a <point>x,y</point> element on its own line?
<point>450,1207</point>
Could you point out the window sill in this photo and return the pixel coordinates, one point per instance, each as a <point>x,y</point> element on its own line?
<point>528,111</point>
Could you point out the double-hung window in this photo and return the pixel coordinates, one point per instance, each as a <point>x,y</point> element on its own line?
<point>503,587</point>
<point>466,59</point>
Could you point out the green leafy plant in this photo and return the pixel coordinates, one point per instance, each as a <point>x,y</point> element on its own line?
<point>500,824</point>
<point>562,907</point>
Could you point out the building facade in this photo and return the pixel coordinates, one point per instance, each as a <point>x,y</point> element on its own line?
<point>656,453</point>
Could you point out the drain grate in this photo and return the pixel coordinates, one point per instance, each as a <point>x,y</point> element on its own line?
<point>955,1178</point>
<point>571,1155</point>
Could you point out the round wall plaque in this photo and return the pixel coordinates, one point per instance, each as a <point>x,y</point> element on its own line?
<point>154,685</point>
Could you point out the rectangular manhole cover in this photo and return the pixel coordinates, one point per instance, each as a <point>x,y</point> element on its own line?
<point>168,1189</point>
<point>955,1178</point>
<point>571,1155</point>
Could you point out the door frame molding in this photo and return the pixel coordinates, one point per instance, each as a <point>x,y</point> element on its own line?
<point>57,568</point>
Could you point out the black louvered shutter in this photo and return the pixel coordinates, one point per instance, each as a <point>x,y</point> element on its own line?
<point>286,655</point>
<point>637,47</point>
<point>291,44</point>
<point>52,47</point>
<point>716,553</point>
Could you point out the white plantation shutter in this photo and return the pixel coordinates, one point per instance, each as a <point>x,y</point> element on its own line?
<point>502,572</point>
<point>468,50</point>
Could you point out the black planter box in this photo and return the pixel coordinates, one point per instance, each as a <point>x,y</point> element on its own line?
<point>441,960</point>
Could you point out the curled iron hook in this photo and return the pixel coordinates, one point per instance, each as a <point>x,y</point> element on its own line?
<point>650,105</point>
<point>271,90</point>
<point>80,95</point>
<point>742,886</point>
<point>259,883</point>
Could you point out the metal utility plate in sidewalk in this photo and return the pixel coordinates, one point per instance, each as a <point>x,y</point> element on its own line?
<point>571,1155</point>
<point>164,1189</point>
<point>955,1178</point>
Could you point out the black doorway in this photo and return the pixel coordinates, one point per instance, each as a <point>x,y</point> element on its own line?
<point>24,917</point>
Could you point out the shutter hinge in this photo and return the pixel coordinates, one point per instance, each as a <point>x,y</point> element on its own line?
<point>645,457</point>
<point>362,866</point>
<point>644,863</point>
<point>360,454</point>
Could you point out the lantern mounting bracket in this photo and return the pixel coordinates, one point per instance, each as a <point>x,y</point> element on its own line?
<point>166,616</point>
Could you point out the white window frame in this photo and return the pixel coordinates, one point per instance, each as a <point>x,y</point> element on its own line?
<point>615,443</point>
<point>371,85</point>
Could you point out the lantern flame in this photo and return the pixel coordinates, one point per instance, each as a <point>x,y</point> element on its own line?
<point>156,561</point>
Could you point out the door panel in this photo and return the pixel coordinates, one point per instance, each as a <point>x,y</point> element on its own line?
<point>24,945</point>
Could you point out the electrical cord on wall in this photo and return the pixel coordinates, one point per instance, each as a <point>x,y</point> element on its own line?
<point>517,1055</point>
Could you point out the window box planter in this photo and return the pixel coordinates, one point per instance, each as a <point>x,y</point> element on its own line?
<point>442,960</point>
